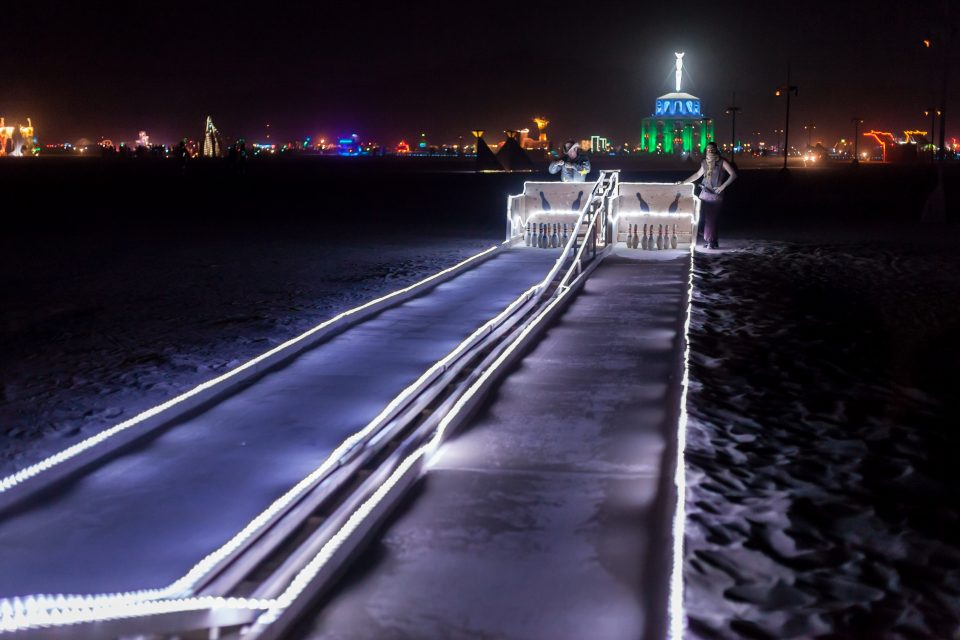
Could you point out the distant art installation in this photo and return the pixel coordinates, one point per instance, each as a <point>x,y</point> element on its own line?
<point>677,124</point>
<point>13,140</point>
<point>212,144</point>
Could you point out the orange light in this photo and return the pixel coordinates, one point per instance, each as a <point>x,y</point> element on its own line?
<point>926,43</point>
<point>914,133</point>
<point>883,145</point>
<point>777,93</point>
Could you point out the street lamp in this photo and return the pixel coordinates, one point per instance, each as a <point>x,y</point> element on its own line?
<point>856,139</point>
<point>933,113</point>
<point>788,89</point>
<point>809,128</point>
<point>732,110</point>
<point>942,42</point>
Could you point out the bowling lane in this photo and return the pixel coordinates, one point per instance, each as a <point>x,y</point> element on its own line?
<point>143,519</point>
<point>549,516</point>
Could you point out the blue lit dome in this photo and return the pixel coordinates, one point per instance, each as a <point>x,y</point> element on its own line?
<point>678,105</point>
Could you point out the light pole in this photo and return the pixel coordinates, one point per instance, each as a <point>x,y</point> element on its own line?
<point>788,89</point>
<point>856,139</point>
<point>732,110</point>
<point>933,113</point>
<point>944,36</point>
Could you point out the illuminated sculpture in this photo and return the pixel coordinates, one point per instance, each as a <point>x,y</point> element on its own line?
<point>676,122</point>
<point>679,72</point>
<point>212,145</point>
<point>542,123</point>
<point>13,140</point>
<point>876,135</point>
<point>6,138</point>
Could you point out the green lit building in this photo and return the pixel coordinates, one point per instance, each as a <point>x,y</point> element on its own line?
<point>676,126</point>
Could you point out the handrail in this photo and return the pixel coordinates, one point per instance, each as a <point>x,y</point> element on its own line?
<point>595,208</point>
<point>408,463</point>
<point>577,266</point>
<point>602,181</point>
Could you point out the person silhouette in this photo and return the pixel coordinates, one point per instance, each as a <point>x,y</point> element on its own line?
<point>573,166</point>
<point>711,191</point>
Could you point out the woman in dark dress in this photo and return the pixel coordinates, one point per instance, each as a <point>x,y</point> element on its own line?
<point>712,187</point>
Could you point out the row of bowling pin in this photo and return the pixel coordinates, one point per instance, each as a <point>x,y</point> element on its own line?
<point>663,239</point>
<point>545,236</point>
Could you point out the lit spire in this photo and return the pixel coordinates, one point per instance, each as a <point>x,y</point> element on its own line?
<point>679,72</point>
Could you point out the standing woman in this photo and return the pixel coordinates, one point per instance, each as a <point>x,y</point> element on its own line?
<point>711,191</point>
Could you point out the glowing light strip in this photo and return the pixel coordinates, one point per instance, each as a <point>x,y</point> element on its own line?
<point>641,213</point>
<point>332,461</point>
<point>914,133</point>
<point>876,136</point>
<point>23,619</point>
<point>310,571</point>
<point>54,610</point>
<point>26,473</point>
<point>677,615</point>
<point>202,568</point>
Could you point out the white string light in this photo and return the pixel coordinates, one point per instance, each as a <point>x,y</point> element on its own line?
<point>21,613</point>
<point>677,613</point>
<point>26,473</point>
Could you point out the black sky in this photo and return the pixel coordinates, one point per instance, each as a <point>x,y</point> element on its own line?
<point>390,70</point>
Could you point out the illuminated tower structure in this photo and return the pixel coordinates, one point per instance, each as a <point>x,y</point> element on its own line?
<point>677,125</point>
<point>18,140</point>
<point>6,138</point>
<point>212,144</point>
<point>542,123</point>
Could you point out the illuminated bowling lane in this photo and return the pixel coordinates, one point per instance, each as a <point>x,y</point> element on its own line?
<point>142,519</point>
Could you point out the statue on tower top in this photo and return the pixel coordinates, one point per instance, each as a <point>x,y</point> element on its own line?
<point>679,71</point>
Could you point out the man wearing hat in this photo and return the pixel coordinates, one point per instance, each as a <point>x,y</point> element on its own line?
<point>572,166</point>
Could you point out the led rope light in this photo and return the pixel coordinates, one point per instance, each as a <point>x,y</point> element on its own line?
<point>21,613</point>
<point>310,571</point>
<point>26,473</point>
<point>26,619</point>
<point>201,569</point>
<point>333,460</point>
<point>676,612</point>
<point>316,564</point>
<point>45,603</point>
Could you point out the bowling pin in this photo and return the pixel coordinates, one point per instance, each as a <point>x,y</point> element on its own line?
<point>565,238</point>
<point>636,238</point>
<point>645,241</point>
<point>660,237</point>
<point>555,238</point>
<point>673,238</point>
<point>528,237</point>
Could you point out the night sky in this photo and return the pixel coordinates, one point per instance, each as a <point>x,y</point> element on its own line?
<point>391,70</point>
